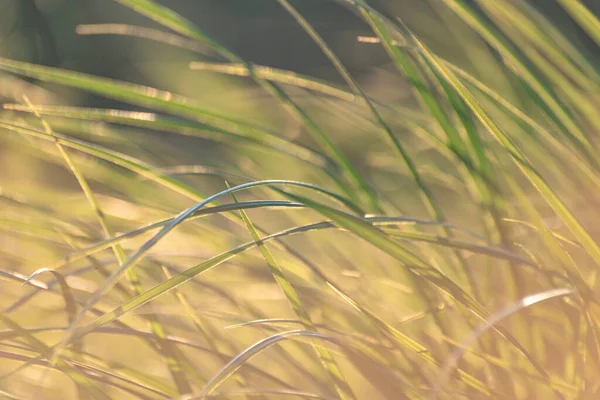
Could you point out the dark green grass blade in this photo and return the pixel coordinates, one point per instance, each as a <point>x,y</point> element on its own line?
<point>547,99</point>
<point>572,86</point>
<point>584,17</point>
<point>521,161</point>
<point>181,25</point>
<point>416,266</point>
<point>426,194</point>
<point>384,222</point>
<point>519,23</point>
<point>541,133</point>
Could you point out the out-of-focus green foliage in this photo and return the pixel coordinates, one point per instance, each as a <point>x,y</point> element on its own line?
<point>335,200</point>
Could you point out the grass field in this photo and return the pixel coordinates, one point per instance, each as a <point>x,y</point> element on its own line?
<point>428,231</point>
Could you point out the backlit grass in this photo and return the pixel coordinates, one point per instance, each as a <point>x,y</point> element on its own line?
<point>278,235</point>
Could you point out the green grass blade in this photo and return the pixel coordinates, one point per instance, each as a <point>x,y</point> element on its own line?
<point>584,17</point>
<point>415,266</point>
<point>382,241</point>
<point>181,25</point>
<point>187,275</point>
<point>132,260</point>
<point>515,60</point>
<point>340,384</point>
<point>520,160</point>
<point>426,194</point>
<point>182,127</point>
<point>127,92</point>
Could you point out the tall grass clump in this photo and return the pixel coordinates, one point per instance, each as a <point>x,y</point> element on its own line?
<point>269,234</point>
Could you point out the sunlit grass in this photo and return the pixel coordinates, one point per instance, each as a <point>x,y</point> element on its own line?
<point>322,244</point>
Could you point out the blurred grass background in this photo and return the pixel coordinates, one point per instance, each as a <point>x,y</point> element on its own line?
<point>432,167</point>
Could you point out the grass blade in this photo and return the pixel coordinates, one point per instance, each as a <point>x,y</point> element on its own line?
<point>339,382</point>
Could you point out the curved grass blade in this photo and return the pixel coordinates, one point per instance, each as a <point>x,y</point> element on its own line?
<point>250,353</point>
<point>126,331</point>
<point>141,252</point>
<point>102,245</point>
<point>384,222</point>
<point>70,304</point>
<point>489,324</point>
<point>328,362</point>
<point>189,274</point>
